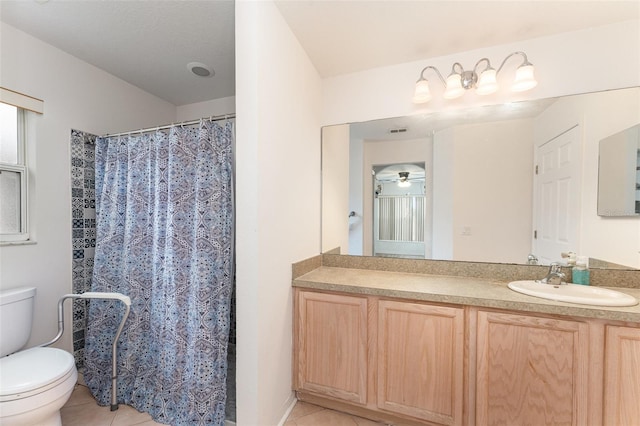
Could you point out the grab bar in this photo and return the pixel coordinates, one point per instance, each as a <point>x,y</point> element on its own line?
<point>98,295</point>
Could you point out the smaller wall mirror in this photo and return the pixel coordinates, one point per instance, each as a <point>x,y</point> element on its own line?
<point>619,174</point>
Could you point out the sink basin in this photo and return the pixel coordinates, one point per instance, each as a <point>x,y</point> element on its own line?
<point>574,293</point>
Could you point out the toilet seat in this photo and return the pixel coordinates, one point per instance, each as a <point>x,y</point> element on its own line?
<point>33,371</point>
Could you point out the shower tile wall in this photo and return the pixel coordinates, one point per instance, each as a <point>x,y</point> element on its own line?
<point>83,229</point>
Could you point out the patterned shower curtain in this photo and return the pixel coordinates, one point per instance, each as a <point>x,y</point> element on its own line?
<point>164,219</point>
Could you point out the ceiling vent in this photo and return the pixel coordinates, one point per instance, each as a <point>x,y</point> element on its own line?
<point>200,69</point>
<point>398,130</point>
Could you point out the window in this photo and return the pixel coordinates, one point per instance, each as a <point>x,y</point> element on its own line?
<point>13,175</point>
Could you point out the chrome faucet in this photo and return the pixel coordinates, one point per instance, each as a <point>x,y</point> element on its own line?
<point>532,259</point>
<point>555,275</point>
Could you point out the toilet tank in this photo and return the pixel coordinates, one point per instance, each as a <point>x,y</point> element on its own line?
<point>16,316</point>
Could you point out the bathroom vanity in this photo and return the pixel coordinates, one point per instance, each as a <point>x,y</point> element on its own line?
<point>448,349</point>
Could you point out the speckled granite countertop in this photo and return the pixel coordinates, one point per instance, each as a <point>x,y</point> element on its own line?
<point>480,292</point>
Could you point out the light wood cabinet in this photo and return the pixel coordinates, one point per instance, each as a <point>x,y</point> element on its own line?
<point>531,370</point>
<point>332,345</point>
<point>622,376</point>
<point>417,363</point>
<point>421,360</point>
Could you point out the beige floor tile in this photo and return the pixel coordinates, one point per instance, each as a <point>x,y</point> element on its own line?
<point>82,410</point>
<point>326,417</point>
<point>302,409</point>
<point>86,414</point>
<point>80,395</point>
<point>127,416</point>
<point>366,422</point>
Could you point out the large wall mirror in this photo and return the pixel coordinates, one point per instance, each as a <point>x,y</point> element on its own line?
<point>487,184</point>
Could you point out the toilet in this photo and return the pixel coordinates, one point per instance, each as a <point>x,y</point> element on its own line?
<point>34,383</point>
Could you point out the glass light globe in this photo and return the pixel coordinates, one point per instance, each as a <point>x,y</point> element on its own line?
<point>422,93</point>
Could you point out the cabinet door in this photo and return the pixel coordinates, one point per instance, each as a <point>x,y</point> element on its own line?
<point>332,345</point>
<point>530,370</point>
<point>420,361</point>
<point>622,376</point>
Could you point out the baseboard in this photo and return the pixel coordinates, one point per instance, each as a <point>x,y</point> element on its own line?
<point>292,403</point>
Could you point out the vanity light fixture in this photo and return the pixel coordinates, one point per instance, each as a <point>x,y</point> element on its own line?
<point>485,81</point>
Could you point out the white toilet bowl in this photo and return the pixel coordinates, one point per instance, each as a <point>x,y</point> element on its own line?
<point>34,385</point>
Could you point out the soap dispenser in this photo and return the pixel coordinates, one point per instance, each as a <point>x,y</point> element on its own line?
<point>580,272</point>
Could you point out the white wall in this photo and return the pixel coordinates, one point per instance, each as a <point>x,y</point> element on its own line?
<point>79,96</point>
<point>493,191</point>
<point>443,155</point>
<point>335,190</point>
<point>356,201</point>
<point>278,98</point>
<point>214,107</point>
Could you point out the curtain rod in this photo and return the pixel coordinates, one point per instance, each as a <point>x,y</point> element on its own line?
<point>168,126</point>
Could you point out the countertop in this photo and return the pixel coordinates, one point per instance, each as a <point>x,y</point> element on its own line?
<point>455,290</point>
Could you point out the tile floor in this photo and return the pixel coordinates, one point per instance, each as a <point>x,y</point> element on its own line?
<point>305,414</point>
<point>82,410</point>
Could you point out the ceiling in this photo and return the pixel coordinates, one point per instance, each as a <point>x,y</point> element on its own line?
<point>347,36</point>
<point>146,43</point>
<point>149,43</point>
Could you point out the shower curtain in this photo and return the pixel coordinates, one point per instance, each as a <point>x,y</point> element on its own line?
<point>164,219</point>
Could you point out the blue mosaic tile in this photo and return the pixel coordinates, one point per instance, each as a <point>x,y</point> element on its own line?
<point>78,264</point>
<point>77,150</point>
<point>78,354</point>
<point>90,155</point>
<point>77,274</point>
<point>79,324</point>
<point>77,172</point>
<point>83,229</point>
<point>78,285</point>
<point>78,310</point>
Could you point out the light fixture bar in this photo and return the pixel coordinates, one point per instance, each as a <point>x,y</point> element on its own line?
<point>484,83</point>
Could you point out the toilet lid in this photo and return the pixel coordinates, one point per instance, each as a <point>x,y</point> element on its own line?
<point>33,368</point>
